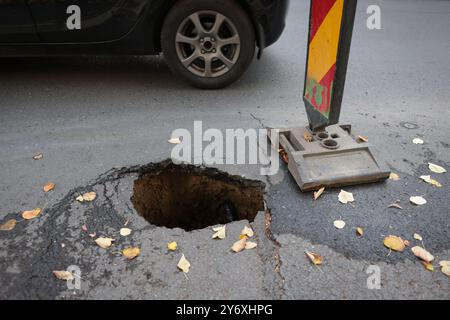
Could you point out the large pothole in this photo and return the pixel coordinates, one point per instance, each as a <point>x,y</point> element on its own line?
<point>189,197</point>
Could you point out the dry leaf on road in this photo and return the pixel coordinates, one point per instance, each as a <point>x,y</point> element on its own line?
<point>247,232</point>
<point>423,254</point>
<point>250,245</point>
<point>104,243</point>
<point>63,275</point>
<point>431,181</point>
<point>418,201</point>
<point>393,176</point>
<point>314,258</point>
<point>394,243</point>
<point>339,224</point>
<point>38,156</point>
<point>172,246</point>
<point>428,265</point>
<point>175,141</point>
<point>28,215</point>
<point>435,168</point>
<point>318,193</point>
<point>125,232</point>
<point>131,252</point>
<point>418,141</point>
<point>184,265</point>
<point>360,231</point>
<point>49,187</point>
<point>220,232</point>
<point>8,225</point>
<point>345,197</point>
<point>238,246</point>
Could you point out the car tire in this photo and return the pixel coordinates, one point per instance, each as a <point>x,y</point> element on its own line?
<point>209,43</point>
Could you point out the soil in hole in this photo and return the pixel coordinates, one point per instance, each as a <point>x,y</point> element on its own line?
<point>189,197</point>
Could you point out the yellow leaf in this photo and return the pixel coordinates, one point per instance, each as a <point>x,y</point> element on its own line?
<point>8,225</point>
<point>427,266</point>
<point>38,156</point>
<point>431,181</point>
<point>172,246</point>
<point>393,176</point>
<point>220,233</point>
<point>184,265</point>
<point>63,275</point>
<point>394,243</point>
<point>345,197</point>
<point>125,232</point>
<point>104,243</point>
<point>250,245</point>
<point>436,169</point>
<point>131,253</point>
<point>360,231</point>
<point>49,187</point>
<point>238,246</point>
<point>247,232</point>
<point>242,236</point>
<point>28,215</point>
<point>314,258</point>
<point>418,201</point>
<point>318,193</point>
<point>423,254</point>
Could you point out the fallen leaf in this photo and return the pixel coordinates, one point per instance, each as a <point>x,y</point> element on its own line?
<point>38,156</point>
<point>428,266</point>
<point>308,137</point>
<point>345,197</point>
<point>394,243</point>
<point>395,205</point>
<point>175,141</point>
<point>360,231</point>
<point>104,243</point>
<point>318,193</point>
<point>418,201</point>
<point>172,246</point>
<point>418,141</point>
<point>250,245</point>
<point>238,246</point>
<point>247,232</point>
<point>393,176</point>
<point>63,275</point>
<point>49,187</point>
<point>423,254</point>
<point>184,265</point>
<point>417,237</point>
<point>125,232</point>
<point>339,224</point>
<point>436,169</point>
<point>8,225</point>
<point>131,252</point>
<point>28,215</point>
<point>219,233</point>
<point>363,139</point>
<point>314,258</point>
<point>429,180</point>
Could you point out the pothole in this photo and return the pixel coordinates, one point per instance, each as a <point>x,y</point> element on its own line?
<point>190,197</point>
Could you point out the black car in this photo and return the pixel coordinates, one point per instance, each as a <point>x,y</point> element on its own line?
<point>209,43</point>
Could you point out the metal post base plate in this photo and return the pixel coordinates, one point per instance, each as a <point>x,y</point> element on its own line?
<point>330,158</point>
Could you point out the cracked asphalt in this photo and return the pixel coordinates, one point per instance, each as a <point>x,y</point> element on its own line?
<point>99,122</point>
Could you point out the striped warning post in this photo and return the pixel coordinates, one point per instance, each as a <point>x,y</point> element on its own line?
<point>324,32</point>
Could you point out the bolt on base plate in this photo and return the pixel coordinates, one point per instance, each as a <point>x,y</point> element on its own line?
<point>329,158</point>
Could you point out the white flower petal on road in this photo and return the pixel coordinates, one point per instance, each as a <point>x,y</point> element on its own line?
<point>174,141</point>
<point>418,141</point>
<point>423,254</point>
<point>345,197</point>
<point>247,232</point>
<point>431,181</point>
<point>220,233</point>
<point>339,224</point>
<point>184,265</point>
<point>104,243</point>
<point>250,245</point>
<point>435,168</point>
<point>418,200</point>
<point>125,232</point>
<point>417,237</point>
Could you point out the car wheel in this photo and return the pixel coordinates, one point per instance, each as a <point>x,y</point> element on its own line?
<point>209,43</point>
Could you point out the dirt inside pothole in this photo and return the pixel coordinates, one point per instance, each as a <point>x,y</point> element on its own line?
<point>189,197</point>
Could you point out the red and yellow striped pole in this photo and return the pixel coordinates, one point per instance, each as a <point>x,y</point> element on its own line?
<point>331,25</point>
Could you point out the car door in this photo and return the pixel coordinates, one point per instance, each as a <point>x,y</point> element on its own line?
<point>16,22</point>
<point>78,21</point>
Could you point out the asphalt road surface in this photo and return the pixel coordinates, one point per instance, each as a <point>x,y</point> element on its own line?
<point>99,120</point>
